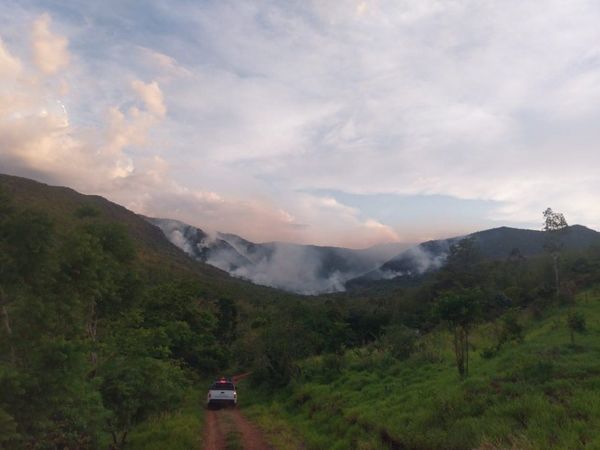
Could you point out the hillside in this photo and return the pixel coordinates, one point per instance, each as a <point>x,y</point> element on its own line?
<point>539,394</point>
<point>119,326</point>
<point>304,269</point>
<point>104,324</point>
<point>63,205</point>
<point>494,244</point>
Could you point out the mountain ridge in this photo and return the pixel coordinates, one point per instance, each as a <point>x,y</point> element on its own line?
<point>492,244</point>
<point>62,204</point>
<point>304,269</point>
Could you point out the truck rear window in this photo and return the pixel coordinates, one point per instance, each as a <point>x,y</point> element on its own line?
<point>223,387</point>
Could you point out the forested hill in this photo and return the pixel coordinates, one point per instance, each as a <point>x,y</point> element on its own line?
<point>494,244</point>
<point>304,269</point>
<point>103,322</point>
<point>498,243</point>
<point>67,209</point>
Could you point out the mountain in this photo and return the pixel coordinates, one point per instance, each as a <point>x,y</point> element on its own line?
<point>304,269</point>
<point>200,246</point>
<point>494,244</point>
<point>156,253</point>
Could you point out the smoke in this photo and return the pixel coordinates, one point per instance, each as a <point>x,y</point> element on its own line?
<point>175,235</point>
<point>426,261</point>
<point>294,268</point>
<point>172,229</point>
<point>417,260</point>
<point>307,270</point>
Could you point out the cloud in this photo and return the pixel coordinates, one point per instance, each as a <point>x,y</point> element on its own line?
<point>37,135</point>
<point>152,96</point>
<point>168,65</point>
<point>10,66</point>
<point>243,110</point>
<point>50,50</point>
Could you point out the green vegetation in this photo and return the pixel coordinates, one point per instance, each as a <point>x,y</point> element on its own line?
<point>104,325</point>
<point>521,383</point>
<point>175,430</point>
<point>97,341</point>
<point>108,334</point>
<point>543,393</point>
<point>233,437</point>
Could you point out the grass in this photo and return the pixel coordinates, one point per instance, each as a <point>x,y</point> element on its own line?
<point>272,421</point>
<point>541,394</point>
<point>233,437</point>
<point>179,430</point>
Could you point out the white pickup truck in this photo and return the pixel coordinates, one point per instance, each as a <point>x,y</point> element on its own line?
<point>221,393</point>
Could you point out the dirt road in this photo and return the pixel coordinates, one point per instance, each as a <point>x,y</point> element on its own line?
<point>228,429</point>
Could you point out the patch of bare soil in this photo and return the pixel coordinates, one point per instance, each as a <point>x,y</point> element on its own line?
<point>228,429</point>
<point>252,438</point>
<point>214,438</point>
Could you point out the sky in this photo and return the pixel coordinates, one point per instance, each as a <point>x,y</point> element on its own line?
<point>331,122</point>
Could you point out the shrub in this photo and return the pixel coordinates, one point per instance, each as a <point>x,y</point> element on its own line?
<point>400,341</point>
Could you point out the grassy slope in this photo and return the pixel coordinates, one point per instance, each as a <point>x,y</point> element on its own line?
<point>540,394</point>
<point>180,430</point>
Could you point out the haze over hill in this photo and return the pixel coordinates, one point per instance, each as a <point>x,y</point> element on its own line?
<point>309,269</point>
<point>305,269</point>
<point>494,244</point>
<point>62,205</point>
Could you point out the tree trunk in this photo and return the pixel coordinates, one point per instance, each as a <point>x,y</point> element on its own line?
<point>115,441</point>
<point>556,279</point>
<point>7,327</point>
<point>467,352</point>
<point>92,327</point>
<point>123,439</point>
<point>459,351</point>
<point>572,337</point>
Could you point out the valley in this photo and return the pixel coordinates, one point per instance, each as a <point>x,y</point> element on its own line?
<point>299,225</point>
<point>124,328</point>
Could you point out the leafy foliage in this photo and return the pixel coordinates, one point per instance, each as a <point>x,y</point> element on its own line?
<point>576,324</point>
<point>91,342</point>
<point>104,327</point>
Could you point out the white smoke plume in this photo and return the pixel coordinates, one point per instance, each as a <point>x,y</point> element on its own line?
<point>303,269</point>
<point>294,268</point>
<point>416,261</point>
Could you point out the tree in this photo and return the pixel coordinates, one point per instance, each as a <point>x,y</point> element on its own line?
<point>554,223</point>
<point>400,340</point>
<point>512,330</point>
<point>460,309</point>
<point>462,266</point>
<point>135,388</point>
<point>576,324</point>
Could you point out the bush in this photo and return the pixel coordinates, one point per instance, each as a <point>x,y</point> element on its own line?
<point>576,324</point>
<point>400,341</point>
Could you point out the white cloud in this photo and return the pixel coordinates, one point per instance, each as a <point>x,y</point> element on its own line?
<point>10,66</point>
<point>168,65</point>
<point>49,49</point>
<point>475,100</point>
<point>151,95</point>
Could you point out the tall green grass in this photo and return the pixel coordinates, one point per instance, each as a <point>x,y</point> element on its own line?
<point>178,430</point>
<point>543,393</point>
